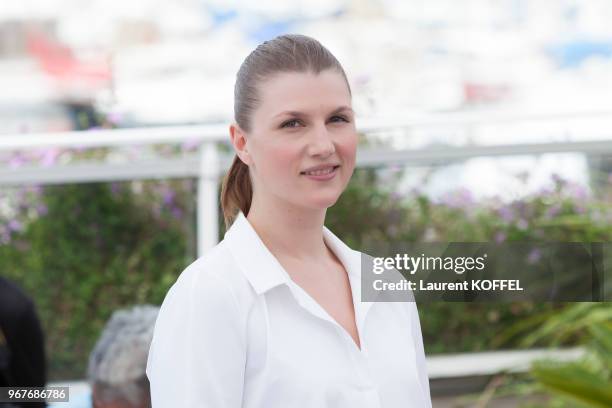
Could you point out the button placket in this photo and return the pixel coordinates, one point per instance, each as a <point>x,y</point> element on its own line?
<point>357,356</point>
<point>358,360</point>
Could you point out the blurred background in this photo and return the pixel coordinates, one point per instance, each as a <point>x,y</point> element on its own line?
<point>480,120</point>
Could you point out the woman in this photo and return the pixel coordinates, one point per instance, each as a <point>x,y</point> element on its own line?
<point>271,317</point>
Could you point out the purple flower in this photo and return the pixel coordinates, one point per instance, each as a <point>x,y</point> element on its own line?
<point>190,144</point>
<point>114,117</point>
<point>506,214</point>
<point>36,189</point>
<point>395,196</point>
<point>500,237</point>
<point>553,211</point>
<point>14,225</point>
<point>115,189</point>
<point>50,156</point>
<point>545,192</point>
<point>580,209</point>
<point>17,161</point>
<point>42,209</point>
<point>522,224</point>
<point>176,212</point>
<point>458,199</point>
<point>578,191</point>
<point>20,195</point>
<point>520,207</point>
<point>534,256</point>
<point>169,196</point>
<point>396,168</point>
<point>416,191</point>
<point>557,179</point>
<point>465,196</point>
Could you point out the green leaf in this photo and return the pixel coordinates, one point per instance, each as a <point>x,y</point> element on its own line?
<point>574,382</point>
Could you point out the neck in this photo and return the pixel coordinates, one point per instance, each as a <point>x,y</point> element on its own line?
<point>289,231</point>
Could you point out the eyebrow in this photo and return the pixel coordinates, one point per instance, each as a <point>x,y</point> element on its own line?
<point>297,113</point>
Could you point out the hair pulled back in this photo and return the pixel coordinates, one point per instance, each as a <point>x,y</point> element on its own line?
<point>283,54</point>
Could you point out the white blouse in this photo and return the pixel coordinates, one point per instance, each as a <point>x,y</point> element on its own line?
<point>236,331</point>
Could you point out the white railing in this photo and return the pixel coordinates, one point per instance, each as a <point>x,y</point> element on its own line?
<point>208,164</point>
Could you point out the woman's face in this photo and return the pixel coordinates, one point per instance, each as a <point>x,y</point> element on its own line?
<point>304,120</point>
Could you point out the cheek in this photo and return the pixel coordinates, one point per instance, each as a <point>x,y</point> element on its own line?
<point>280,160</point>
<point>347,147</point>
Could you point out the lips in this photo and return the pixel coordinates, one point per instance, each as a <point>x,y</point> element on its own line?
<point>320,170</point>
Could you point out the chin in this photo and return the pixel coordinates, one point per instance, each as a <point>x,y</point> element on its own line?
<point>321,203</point>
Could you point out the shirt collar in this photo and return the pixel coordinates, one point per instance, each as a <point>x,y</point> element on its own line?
<point>263,270</point>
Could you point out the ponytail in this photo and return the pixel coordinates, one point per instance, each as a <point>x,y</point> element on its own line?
<point>236,192</point>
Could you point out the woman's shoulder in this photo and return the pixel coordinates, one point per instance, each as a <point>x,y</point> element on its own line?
<point>214,275</point>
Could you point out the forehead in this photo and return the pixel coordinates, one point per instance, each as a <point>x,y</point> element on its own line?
<point>304,92</point>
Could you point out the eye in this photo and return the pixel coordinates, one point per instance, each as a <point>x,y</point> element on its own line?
<point>288,123</point>
<point>341,118</point>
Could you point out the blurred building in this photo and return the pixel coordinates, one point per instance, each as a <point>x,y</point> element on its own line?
<point>162,62</point>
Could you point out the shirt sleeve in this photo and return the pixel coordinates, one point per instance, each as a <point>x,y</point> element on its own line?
<point>420,353</point>
<point>198,353</point>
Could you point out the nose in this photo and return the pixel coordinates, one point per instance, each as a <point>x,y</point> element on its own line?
<point>321,142</point>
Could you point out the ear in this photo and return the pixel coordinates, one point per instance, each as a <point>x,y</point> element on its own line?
<point>239,141</point>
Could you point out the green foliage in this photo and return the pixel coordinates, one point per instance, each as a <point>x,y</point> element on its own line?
<point>92,253</point>
<point>557,327</point>
<point>588,381</point>
<point>99,247</point>
<point>370,210</point>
